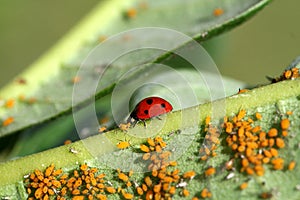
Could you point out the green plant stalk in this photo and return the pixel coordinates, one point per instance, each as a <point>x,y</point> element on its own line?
<point>13,171</point>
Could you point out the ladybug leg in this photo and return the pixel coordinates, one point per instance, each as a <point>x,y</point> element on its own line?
<point>157,117</point>
<point>145,125</point>
<point>134,122</point>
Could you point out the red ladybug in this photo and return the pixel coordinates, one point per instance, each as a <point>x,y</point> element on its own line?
<point>151,107</point>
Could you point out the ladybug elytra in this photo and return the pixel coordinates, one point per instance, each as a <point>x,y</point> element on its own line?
<point>151,107</point>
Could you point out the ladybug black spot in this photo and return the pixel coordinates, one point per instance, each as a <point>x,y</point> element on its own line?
<point>149,101</point>
<point>163,105</point>
<point>146,112</point>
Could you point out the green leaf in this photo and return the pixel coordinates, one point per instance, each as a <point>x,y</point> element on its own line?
<point>49,79</point>
<point>269,100</point>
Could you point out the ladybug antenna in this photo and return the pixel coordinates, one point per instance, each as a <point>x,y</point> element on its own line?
<point>273,80</point>
<point>269,78</point>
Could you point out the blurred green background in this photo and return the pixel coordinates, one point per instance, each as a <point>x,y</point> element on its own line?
<point>265,45</point>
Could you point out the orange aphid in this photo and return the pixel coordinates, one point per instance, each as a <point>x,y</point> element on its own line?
<point>157,188</point>
<point>151,142</point>
<point>143,5</point>
<point>146,156</point>
<point>280,142</point>
<point>289,112</point>
<point>249,152</point>
<point>205,193</point>
<point>75,192</point>
<point>172,190</point>
<point>242,91</point>
<point>104,120</point>
<point>274,152</point>
<point>128,184</point>
<point>273,132</point>
<point>130,173</point>
<point>149,195</point>
<point>278,163</point>
<point>140,191</point>
<point>266,160</point>
<point>210,171</point>
<point>258,116</point>
<point>125,127</point>
<point>158,139</point>
<point>172,163</point>
<point>291,165</point>
<point>67,142</point>
<point>249,171</point>
<point>256,129</point>
<point>266,195</point>
<point>241,148</point>
<point>207,120</point>
<point>76,79</point>
<point>287,74</point>
<point>185,192</point>
<point>203,157</point>
<point>158,148</point>
<point>284,133</point>
<point>127,195</point>
<point>229,127</point>
<point>10,103</point>
<point>8,121</point>
<point>218,12</point>
<point>144,148</point>
<point>21,81</point>
<point>101,196</point>
<point>123,145</point>
<point>271,142</point>
<point>131,13</point>
<point>78,198</point>
<point>123,177</point>
<point>245,162</point>
<point>148,181</point>
<point>21,97</point>
<point>111,190</point>
<point>259,170</point>
<point>31,100</point>
<point>241,114</point>
<point>243,185</point>
<point>102,129</point>
<point>102,38</point>
<point>49,170</point>
<point>189,174</point>
<point>285,124</point>
<point>268,154</point>
<point>234,146</point>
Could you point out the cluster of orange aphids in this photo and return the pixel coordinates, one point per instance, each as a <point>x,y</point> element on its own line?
<point>162,182</point>
<point>253,146</point>
<point>211,141</point>
<point>289,74</point>
<point>85,183</point>
<point>253,149</point>
<point>164,179</point>
<point>42,185</point>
